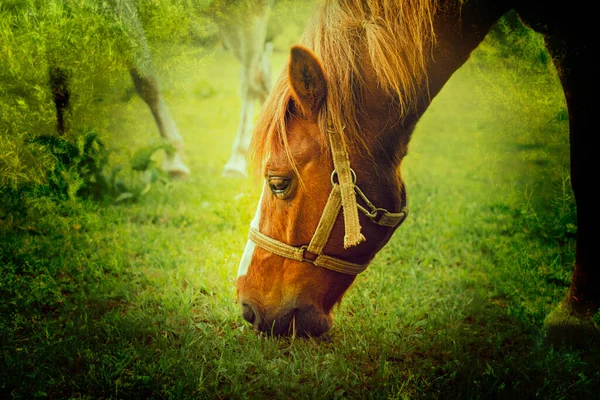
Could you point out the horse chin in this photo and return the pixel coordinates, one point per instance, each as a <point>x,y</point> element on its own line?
<point>311,322</point>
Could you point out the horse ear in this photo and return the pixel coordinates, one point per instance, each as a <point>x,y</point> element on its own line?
<point>307,79</point>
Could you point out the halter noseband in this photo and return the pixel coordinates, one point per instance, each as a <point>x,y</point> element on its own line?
<point>343,195</point>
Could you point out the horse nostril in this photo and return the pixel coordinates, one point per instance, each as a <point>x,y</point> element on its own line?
<point>248,313</point>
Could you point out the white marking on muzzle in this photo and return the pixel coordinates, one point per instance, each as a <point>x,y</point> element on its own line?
<point>249,250</point>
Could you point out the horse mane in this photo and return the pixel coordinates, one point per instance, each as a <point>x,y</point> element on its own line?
<point>392,36</point>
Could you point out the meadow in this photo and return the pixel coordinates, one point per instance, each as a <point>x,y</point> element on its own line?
<point>136,298</point>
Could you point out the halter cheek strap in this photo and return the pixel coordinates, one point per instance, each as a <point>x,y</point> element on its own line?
<point>347,181</point>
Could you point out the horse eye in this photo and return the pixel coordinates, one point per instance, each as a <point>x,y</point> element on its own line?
<point>279,185</point>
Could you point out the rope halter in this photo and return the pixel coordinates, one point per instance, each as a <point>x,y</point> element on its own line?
<point>343,196</point>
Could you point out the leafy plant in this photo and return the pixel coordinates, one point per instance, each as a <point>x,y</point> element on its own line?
<point>144,172</point>
<point>78,167</point>
<point>81,169</point>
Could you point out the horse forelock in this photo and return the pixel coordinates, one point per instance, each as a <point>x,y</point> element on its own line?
<point>389,38</point>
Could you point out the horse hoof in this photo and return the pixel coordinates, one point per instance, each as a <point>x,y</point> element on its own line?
<point>176,168</point>
<point>235,167</point>
<point>563,327</point>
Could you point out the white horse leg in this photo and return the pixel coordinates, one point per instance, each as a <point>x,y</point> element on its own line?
<point>253,92</point>
<point>147,88</point>
<point>264,73</point>
<point>142,73</point>
<point>246,39</point>
<point>236,165</point>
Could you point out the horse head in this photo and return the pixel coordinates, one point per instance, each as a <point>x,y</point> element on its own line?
<point>314,229</point>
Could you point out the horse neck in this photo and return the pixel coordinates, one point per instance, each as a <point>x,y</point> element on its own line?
<point>458,32</point>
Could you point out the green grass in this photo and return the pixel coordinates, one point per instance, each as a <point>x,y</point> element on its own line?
<point>138,300</point>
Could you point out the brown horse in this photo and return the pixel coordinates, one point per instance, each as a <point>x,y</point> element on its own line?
<point>332,136</point>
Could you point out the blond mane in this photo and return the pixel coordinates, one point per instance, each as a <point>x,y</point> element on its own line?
<point>393,36</point>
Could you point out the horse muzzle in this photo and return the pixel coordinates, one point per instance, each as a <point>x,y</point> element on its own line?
<point>300,321</point>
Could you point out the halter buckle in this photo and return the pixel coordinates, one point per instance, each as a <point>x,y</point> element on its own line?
<point>308,256</point>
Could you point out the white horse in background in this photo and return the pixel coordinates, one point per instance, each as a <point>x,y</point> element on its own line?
<point>144,78</point>
<point>243,26</point>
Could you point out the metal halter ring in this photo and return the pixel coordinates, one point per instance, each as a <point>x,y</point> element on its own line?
<point>334,173</point>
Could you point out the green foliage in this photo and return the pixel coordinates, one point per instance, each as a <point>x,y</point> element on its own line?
<point>287,21</point>
<point>85,42</point>
<point>177,22</point>
<point>82,170</point>
<point>512,41</point>
<point>78,168</point>
<point>37,37</point>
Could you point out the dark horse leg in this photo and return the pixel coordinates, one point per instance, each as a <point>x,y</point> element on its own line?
<point>570,41</point>
<point>584,293</point>
<point>59,84</point>
<point>573,316</point>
